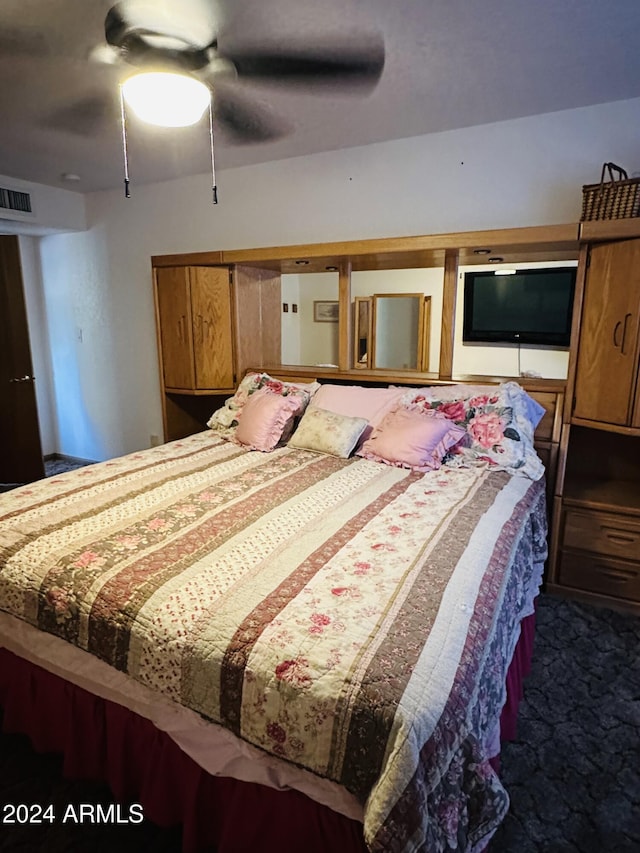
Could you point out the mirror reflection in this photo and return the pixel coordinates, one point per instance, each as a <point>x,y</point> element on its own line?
<point>415,318</point>
<point>391,313</point>
<point>310,328</point>
<point>310,319</point>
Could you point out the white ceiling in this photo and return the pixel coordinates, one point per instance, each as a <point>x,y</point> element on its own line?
<point>449,64</point>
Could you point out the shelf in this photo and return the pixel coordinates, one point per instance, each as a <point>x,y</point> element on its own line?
<point>357,375</point>
<point>620,496</point>
<point>603,427</point>
<point>528,244</point>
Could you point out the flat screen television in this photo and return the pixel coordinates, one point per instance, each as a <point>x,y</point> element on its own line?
<point>528,307</point>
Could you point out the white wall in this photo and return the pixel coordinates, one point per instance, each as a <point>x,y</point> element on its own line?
<point>52,209</point>
<point>100,314</point>
<point>517,173</point>
<point>290,325</point>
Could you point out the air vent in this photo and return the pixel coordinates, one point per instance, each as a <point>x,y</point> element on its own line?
<point>16,206</point>
<point>14,200</point>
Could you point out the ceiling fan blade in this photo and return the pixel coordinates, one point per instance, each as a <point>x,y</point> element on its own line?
<point>86,116</point>
<point>243,121</point>
<point>348,65</point>
<point>148,47</point>
<point>190,23</point>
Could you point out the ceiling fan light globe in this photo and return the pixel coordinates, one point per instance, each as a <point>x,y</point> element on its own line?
<point>166,99</point>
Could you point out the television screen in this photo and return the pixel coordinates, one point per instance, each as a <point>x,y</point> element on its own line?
<point>528,307</point>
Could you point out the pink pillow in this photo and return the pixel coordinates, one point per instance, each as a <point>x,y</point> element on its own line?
<point>354,401</point>
<point>264,418</point>
<point>411,439</point>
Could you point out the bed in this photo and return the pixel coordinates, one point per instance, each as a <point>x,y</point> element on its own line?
<point>318,639</point>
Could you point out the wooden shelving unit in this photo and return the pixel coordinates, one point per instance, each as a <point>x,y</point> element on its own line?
<point>595,544</point>
<point>591,468</point>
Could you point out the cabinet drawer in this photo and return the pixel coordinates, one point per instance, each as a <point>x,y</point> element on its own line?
<point>612,535</point>
<point>599,574</point>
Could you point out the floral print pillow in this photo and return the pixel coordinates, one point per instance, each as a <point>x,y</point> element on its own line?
<point>328,432</point>
<point>225,421</point>
<point>499,423</point>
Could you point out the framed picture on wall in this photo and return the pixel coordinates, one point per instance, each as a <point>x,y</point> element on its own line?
<point>325,312</point>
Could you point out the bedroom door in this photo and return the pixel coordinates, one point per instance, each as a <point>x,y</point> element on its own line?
<point>20,447</point>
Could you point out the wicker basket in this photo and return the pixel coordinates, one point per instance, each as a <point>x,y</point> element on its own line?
<point>615,198</point>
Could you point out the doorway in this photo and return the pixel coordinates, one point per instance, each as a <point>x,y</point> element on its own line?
<point>21,459</point>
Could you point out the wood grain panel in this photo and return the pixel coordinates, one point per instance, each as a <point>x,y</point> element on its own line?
<point>448,314</point>
<point>603,533</point>
<point>414,377</point>
<point>610,229</point>
<point>549,427</point>
<point>416,251</point>
<point>212,329</point>
<point>258,337</point>
<point>619,430</point>
<point>425,334</point>
<point>345,322</point>
<point>203,259</point>
<point>554,539</point>
<point>611,577</point>
<point>576,323</point>
<point>544,430</point>
<point>271,321</point>
<point>607,362</point>
<point>174,316</point>
<point>563,449</point>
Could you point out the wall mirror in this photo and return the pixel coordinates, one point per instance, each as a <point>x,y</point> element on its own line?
<point>377,341</point>
<point>392,312</point>
<point>309,319</point>
<point>406,305</point>
<point>396,318</point>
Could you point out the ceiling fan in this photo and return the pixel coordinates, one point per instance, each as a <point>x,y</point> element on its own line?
<point>235,56</point>
<point>144,37</point>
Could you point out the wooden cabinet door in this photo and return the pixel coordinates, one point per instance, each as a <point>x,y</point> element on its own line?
<point>174,319</point>
<point>607,367</point>
<point>212,327</point>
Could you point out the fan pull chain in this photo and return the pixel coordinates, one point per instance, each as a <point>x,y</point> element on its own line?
<point>213,164</point>
<point>123,119</point>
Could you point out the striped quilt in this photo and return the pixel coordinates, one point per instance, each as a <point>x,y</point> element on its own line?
<point>353,618</point>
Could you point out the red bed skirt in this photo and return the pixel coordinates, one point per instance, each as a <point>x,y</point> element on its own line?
<point>101,740</point>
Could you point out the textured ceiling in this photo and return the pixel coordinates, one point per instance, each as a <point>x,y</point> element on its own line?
<point>449,64</point>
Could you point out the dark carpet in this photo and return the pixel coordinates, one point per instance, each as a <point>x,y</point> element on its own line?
<point>55,464</point>
<point>573,775</point>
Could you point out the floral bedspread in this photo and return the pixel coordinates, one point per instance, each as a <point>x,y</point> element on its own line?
<point>354,618</point>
